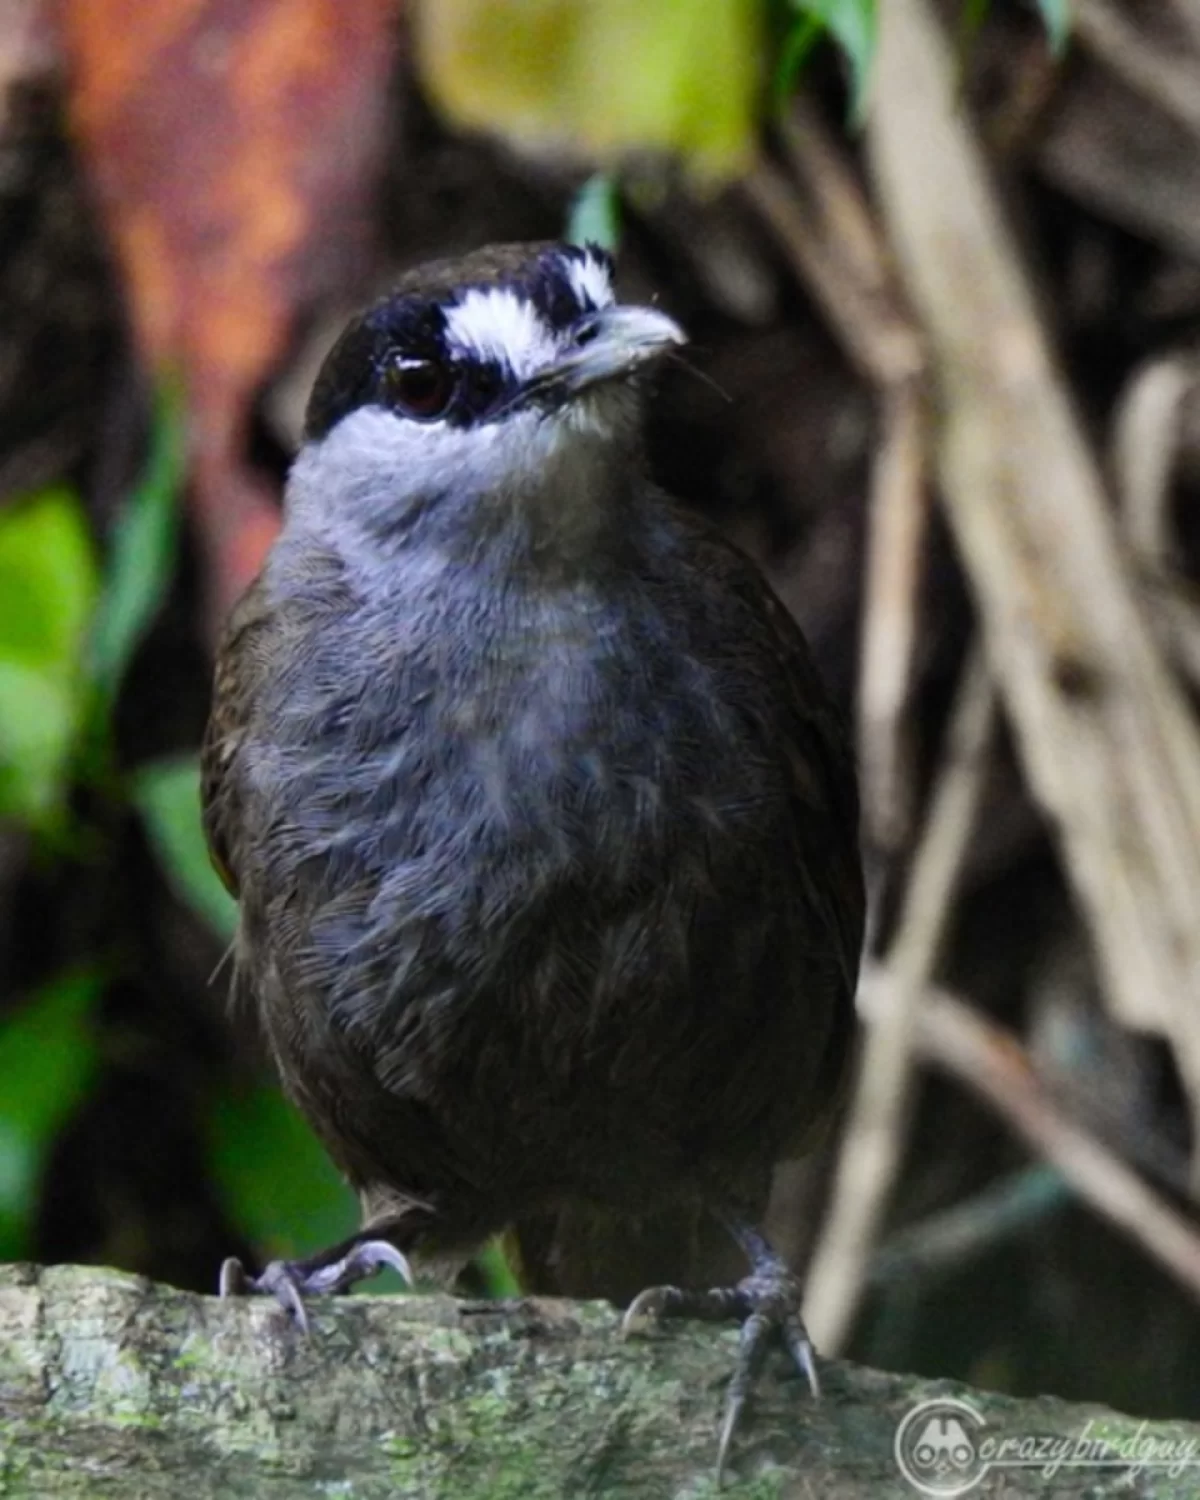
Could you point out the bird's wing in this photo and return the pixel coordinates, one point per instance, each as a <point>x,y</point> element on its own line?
<point>817,744</point>
<point>241,664</point>
<point>827,828</point>
<point>814,737</point>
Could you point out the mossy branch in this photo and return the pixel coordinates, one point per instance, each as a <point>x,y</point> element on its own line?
<point>112,1386</point>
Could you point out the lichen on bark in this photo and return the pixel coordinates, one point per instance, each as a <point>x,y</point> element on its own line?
<point>112,1386</point>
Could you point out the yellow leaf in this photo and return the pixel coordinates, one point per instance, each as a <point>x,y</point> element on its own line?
<point>601,79</point>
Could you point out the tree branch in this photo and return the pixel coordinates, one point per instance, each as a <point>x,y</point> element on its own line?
<point>112,1386</point>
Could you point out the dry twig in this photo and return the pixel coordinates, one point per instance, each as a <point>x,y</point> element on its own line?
<point>826,228</point>
<point>1123,48</point>
<point>1187,13</point>
<point>1145,449</point>
<point>954,1236</point>
<point>1106,737</point>
<point>895,550</point>
<point>875,1132</point>
<point>992,1062</point>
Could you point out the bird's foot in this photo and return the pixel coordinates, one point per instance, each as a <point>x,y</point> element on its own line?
<point>766,1303</point>
<point>290,1281</point>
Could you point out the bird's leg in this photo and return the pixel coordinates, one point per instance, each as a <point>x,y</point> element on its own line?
<point>766,1303</point>
<point>335,1269</point>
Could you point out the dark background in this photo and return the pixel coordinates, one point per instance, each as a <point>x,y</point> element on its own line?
<point>138,470</point>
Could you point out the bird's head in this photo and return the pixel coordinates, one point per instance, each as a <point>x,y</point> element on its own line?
<point>509,376</point>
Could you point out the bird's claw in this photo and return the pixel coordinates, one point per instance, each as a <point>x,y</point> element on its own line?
<point>289,1282</point>
<point>766,1303</point>
<point>646,1309</point>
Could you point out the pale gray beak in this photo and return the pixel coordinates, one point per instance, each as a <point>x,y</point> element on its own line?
<point>612,342</point>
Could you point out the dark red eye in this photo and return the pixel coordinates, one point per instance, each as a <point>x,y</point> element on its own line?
<point>420,388</point>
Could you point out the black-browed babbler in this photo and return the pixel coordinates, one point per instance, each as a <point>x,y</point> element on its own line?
<point>542,826</point>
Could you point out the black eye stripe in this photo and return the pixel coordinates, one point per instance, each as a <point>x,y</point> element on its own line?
<point>410,324</point>
<point>559,304</point>
<point>486,384</point>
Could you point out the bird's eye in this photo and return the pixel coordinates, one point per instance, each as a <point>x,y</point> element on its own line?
<point>420,388</point>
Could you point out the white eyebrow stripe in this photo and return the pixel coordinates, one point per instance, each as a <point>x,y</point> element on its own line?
<point>590,280</point>
<point>496,324</point>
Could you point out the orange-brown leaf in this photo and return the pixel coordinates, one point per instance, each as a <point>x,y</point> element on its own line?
<point>233,144</point>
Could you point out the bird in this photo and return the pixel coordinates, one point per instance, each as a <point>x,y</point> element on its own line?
<point>542,825</point>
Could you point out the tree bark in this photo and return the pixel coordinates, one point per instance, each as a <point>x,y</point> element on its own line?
<point>112,1386</point>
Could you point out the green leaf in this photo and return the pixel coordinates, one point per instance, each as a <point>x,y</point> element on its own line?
<point>1056,17</point>
<point>275,1180</point>
<point>854,26</point>
<point>595,216</point>
<point>48,1057</point>
<point>47,589</point>
<point>167,794</point>
<point>142,556</point>
<point>47,579</point>
<point>495,1271</point>
<point>39,714</point>
<point>797,46</point>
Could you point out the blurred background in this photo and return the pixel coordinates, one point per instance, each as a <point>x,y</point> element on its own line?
<point>941,267</point>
